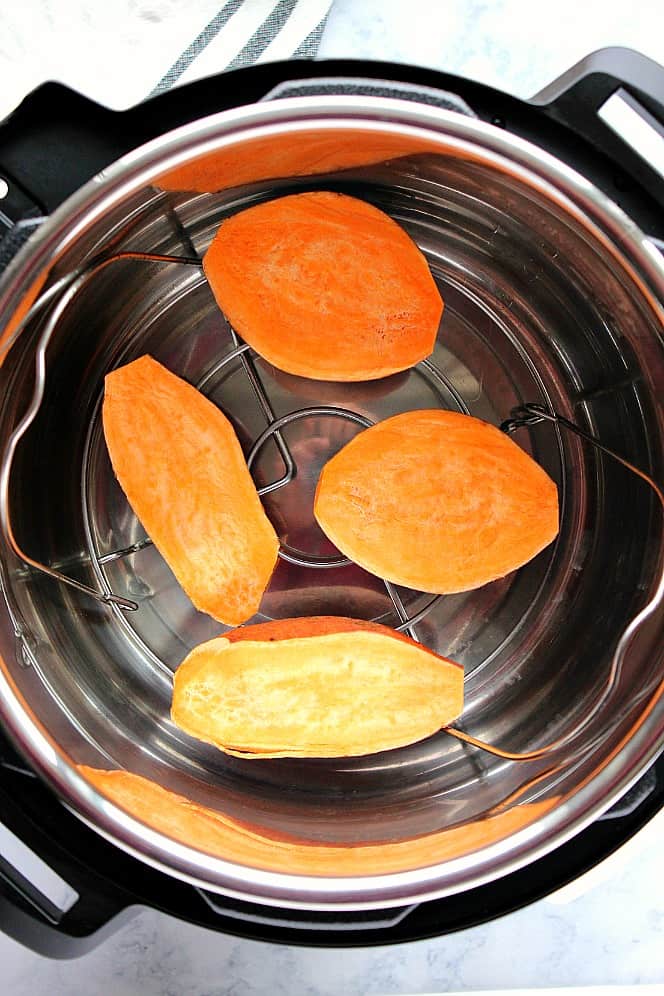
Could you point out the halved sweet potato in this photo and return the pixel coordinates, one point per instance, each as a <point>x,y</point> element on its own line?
<point>318,687</point>
<point>179,462</point>
<point>436,501</point>
<point>325,286</point>
<point>215,833</point>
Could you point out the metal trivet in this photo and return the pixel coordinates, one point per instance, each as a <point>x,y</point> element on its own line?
<point>524,416</point>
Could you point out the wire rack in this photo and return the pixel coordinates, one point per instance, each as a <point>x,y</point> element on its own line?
<point>51,307</point>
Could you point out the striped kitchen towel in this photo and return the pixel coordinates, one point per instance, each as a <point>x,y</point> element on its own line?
<point>244,32</point>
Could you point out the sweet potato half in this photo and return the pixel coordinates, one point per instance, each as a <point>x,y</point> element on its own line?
<point>317,687</point>
<point>215,833</point>
<point>179,462</point>
<point>436,501</point>
<point>325,286</point>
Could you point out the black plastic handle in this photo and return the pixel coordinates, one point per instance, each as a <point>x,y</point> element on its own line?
<point>576,97</point>
<point>26,914</point>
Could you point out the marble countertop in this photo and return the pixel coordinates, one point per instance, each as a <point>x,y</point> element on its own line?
<point>612,935</point>
<point>116,51</point>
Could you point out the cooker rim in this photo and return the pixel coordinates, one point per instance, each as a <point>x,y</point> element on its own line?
<point>602,218</point>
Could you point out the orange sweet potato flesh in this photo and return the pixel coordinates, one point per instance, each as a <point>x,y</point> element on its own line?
<point>215,833</point>
<point>308,153</point>
<point>436,501</point>
<point>179,462</point>
<point>320,687</point>
<point>325,286</point>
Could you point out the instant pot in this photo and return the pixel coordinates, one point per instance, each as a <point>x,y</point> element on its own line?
<point>543,227</point>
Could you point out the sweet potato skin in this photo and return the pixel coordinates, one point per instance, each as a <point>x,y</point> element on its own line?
<point>325,286</point>
<point>320,687</point>
<point>436,501</point>
<point>303,626</point>
<point>215,833</point>
<point>178,460</point>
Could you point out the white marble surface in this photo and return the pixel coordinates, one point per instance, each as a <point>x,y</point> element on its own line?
<point>115,51</point>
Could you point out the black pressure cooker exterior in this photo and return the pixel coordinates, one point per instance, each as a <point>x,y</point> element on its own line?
<point>53,143</point>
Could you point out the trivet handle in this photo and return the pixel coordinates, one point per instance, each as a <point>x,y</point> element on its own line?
<point>62,292</point>
<point>529,415</point>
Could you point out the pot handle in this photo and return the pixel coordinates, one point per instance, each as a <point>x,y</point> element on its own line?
<point>614,98</point>
<point>51,901</point>
<point>27,917</point>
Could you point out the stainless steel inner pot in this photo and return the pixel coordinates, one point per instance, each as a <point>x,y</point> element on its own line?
<point>552,296</point>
